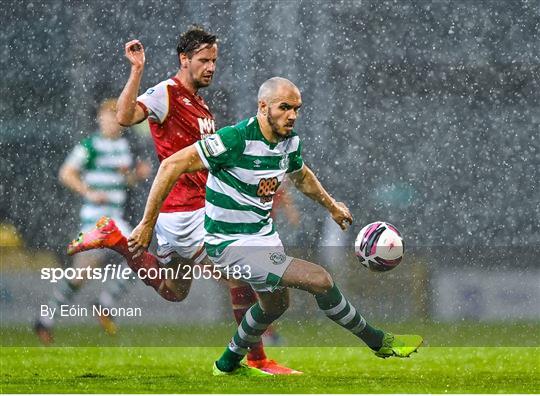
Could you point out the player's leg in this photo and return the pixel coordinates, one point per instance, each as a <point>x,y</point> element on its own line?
<point>256,356</point>
<point>115,289</point>
<point>112,293</point>
<point>182,235</point>
<point>179,280</point>
<point>107,235</point>
<point>259,261</point>
<point>316,280</point>
<point>63,293</point>
<point>255,322</point>
<point>242,298</point>
<point>180,246</point>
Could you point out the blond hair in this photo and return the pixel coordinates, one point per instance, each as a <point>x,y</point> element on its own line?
<point>108,105</point>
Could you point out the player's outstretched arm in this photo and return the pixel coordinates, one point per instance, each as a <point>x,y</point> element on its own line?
<point>128,111</point>
<point>306,181</point>
<point>184,161</point>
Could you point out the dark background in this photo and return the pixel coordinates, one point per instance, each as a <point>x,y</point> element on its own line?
<point>424,114</point>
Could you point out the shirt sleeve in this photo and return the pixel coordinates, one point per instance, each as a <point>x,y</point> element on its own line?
<point>155,101</point>
<point>78,157</point>
<point>295,160</point>
<point>222,149</point>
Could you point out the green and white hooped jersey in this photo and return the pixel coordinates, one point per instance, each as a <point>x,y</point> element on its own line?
<point>245,171</point>
<point>103,164</point>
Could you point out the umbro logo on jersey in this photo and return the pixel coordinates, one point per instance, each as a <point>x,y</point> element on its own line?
<point>257,163</point>
<point>187,102</point>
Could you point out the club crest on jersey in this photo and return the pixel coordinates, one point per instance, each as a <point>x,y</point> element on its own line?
<point>214,146</point>
<point>284,163</point>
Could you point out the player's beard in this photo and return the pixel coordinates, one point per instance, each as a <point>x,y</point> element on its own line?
<point>275,127</point>
<point>202,83</point>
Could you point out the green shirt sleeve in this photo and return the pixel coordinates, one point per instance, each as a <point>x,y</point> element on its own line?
<point>295,160</point>
<point>221,150</point>
<point>81,156</point>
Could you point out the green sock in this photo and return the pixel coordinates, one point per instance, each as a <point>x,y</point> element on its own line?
<point>341,311</point>
<point>249,333</point>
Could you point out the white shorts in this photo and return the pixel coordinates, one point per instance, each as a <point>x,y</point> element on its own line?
<point>259,261</point>
<point>180,233</point>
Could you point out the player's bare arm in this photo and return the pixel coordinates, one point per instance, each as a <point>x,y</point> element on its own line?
<point>184,161</point>
<point>306,181</point>
<point>71,178</point>
<point>129,112</point>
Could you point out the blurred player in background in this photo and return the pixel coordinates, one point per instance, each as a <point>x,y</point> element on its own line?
<point>284,203</point>
<point>100,169</point>
<point>178,117</point>
<point>234,157</point>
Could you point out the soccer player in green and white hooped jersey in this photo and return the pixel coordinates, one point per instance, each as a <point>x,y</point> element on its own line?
<point>247,163</point>
<point>245,172</point>
<point>104,163</point>
<point>99,169</point>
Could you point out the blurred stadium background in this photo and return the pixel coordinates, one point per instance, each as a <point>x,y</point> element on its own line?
<point>424,114</point>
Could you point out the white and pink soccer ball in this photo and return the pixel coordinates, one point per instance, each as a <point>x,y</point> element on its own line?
<point>379,246</point>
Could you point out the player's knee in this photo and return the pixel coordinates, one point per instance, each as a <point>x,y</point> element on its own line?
<point>321,281</point>
<point>174,292</point>
<point>172,296</point>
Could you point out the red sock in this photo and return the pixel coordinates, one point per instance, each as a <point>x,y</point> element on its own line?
<point>147,261</point>
<point>243,298</point>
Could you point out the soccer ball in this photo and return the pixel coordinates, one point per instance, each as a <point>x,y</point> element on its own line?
<point>379,246</point>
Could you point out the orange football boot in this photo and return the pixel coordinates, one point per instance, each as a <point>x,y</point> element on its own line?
<point>272,367</point>
<point>105,235</point>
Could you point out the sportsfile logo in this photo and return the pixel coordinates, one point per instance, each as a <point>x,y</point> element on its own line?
<point>115,271</point>
<point>110,271</point>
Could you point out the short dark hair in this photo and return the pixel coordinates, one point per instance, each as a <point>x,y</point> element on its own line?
<point>193,39</point>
